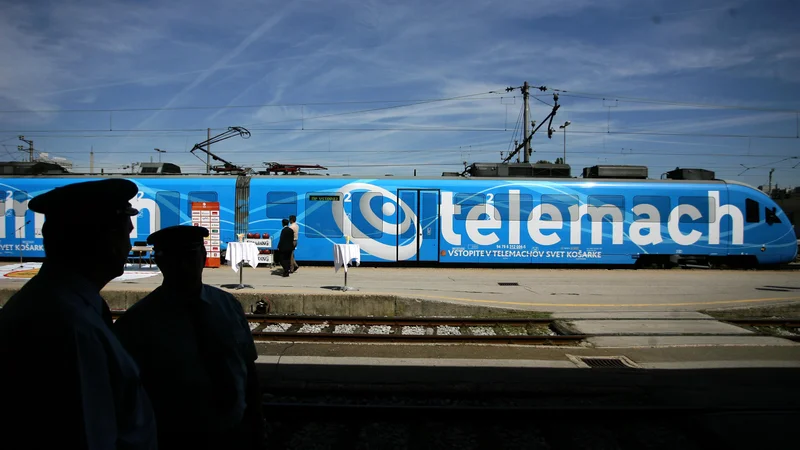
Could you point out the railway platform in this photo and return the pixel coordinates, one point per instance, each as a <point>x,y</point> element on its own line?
<point>611,308</point>
<point>657,363</point>
<point>444,290</point>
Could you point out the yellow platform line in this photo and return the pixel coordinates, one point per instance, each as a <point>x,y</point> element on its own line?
<point>605,305</point>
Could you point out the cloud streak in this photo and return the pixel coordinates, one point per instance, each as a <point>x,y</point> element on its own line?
<point>115,54</point>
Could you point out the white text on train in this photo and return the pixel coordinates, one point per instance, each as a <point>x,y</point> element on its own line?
<point>645,230</point>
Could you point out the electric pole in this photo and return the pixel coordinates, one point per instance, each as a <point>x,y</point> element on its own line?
<point>30,147</point>
<point>91,160</point>
<point>208,154</point>
<point>525,121</point>
<point>564,127</point>
<point>159,154</point>
<point>770,181</point>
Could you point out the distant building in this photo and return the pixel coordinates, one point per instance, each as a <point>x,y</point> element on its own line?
<point>31,168</point>
<point>158,168</point>
<point>63,162</point>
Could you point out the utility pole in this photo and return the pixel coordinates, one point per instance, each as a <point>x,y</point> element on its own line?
<point>91,160</point>
<point>526,122</point>
<point>564,127</point>
<point>30,147</point>
<point>208,154</point>
<point>770,181</point>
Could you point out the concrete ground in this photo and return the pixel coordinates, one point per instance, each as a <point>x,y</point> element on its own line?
<point>552,290</point>
<point>649,308</point>
<point>539,289</point>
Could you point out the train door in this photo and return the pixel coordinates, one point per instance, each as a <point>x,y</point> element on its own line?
<point>417,224</point>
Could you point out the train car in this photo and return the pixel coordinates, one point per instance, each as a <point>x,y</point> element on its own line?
<point>513,221</point>
<point>162,201</point>
<point>457,220</point>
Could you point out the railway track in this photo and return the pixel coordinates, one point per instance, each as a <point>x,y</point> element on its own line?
<point>787,328</point>
<point>520,331</point>
<point>531,331</point>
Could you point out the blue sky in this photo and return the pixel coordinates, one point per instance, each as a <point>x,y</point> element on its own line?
<point>342,83</point>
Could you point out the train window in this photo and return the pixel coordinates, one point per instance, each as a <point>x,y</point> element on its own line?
<point>752,212</point>
<point>661,204</point>
<point>563,203</point>
<point>468,202</point>
<point>368,214</point>
<point>503,202</point>
<point>169,208</point>
<point>704,205</point>
<point>771,216</point>
<point>281,205</point>
<point>200,196</point>
<point>20,203</point>
<point>319,215</point>
<point>610,206</point>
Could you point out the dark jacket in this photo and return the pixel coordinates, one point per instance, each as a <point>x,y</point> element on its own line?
<point>65,379</point>
<point>197,360</point>
<point>286,242</point>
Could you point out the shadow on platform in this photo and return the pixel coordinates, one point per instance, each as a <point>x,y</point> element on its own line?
<point>720,408</point>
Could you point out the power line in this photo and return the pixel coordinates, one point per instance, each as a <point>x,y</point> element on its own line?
<point>654,153</point>
<point>588,95</point>
<point>665,133</point>
<point>422,102</point>
<point>516,130</point>
<point>265,105</point>
<point>410,129</point>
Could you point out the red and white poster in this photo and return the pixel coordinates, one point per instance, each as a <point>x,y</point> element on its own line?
<point>206,214</point>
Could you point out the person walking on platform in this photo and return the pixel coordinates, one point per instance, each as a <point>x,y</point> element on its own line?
<point>195,350</point>
<point>66,380</point>
<point>296,228</point>
<point>286,247</point>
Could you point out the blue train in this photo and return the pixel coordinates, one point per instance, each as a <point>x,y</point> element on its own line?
<point>478,220</point>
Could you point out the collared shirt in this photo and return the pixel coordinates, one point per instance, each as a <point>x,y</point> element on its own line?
<point>296,228</point>
<point>66,381</point>
<point>193,354</point>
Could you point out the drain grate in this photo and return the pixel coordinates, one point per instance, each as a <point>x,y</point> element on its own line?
<point>508,283</point>
<point>603,362</point>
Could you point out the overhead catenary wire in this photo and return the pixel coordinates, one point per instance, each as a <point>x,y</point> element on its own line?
<point>516,130</point>
<point>653,153</point>
<point>596,96</point>
<point>263,105</point>
<point>420,129</point>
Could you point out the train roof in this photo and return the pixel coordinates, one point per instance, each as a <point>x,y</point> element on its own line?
<point>373,177</point>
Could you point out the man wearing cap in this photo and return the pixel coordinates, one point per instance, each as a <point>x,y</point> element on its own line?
<point>67,381</point>
<point>195,350</point>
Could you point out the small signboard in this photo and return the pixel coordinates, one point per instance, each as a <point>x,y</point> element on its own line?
<point>324,197</point>
<point>264,249</point>
<point>206,214</point>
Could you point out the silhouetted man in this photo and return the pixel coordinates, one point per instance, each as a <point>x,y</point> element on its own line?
<point>286,247</point>
<point>296,228</point>
<point>195,351</point>
<point>66,380</point>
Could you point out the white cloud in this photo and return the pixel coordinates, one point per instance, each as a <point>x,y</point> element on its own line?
<point>127,55</point>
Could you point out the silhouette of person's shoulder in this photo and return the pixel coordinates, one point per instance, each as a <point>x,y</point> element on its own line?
<point>54,303</point>
<point>223,298</point>
<point>136,316</point>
